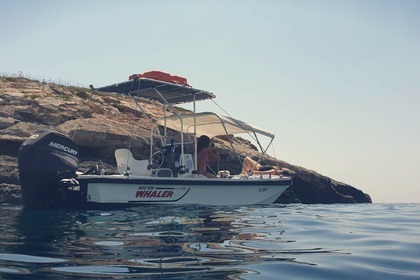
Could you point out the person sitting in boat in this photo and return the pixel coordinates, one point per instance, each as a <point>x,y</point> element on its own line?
<point>205,155</point>
<point>251,167</point>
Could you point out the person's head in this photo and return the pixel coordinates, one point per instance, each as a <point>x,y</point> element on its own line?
<point>203,142</point>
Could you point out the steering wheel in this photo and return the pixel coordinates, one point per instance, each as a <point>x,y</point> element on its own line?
<point>156,160</point>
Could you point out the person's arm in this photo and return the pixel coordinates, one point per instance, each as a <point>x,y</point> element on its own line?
<point>202,170</point>
<point>206,155</point>
<point>214,155</point>
<point>202,163</point>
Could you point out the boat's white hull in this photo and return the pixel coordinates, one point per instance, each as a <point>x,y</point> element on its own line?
<point>147,190</point>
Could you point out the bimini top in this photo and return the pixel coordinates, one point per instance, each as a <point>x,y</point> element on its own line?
<point>211,124</point>
<point>150,89</point>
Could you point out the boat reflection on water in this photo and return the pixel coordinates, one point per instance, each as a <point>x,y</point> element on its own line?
<point>144,241</point>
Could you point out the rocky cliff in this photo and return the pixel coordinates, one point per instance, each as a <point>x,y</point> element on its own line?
<point>100,123</point>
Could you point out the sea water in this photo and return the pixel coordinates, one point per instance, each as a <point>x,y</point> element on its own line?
<point>341,241</point>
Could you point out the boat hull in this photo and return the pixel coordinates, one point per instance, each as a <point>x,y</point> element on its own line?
<point>134,190</point>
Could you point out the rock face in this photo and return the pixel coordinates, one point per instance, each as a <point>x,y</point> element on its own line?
<point>100,124</point>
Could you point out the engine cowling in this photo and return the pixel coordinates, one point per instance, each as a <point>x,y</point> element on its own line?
<point>43,158</point>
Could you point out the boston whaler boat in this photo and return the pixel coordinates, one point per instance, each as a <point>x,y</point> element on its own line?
<point>48,160</point>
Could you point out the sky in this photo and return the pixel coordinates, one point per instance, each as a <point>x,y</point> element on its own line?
<point>337,81</point>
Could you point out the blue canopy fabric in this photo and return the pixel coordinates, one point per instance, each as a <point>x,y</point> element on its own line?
<point>147,88</point>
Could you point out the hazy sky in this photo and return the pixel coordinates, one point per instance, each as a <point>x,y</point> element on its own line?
<point>337,81</point>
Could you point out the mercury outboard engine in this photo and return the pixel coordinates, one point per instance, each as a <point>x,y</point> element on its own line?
<point>44,159</point>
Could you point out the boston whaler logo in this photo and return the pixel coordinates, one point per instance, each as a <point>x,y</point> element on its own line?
<point>63,148</point>
<point>152,192</point>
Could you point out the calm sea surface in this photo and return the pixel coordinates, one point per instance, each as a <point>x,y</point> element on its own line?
<point>364,241</point>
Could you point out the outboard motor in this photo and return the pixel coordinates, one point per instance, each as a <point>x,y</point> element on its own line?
<point>44,159</point>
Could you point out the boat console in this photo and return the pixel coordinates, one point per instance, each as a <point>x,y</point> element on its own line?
<point>172,159</point>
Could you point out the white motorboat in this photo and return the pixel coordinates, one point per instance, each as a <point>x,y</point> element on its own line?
<point>48,160</point>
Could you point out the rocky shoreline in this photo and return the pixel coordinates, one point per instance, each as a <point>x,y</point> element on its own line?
<point>99,124</point>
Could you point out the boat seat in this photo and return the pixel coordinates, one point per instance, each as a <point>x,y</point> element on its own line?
<point>128,165</point>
